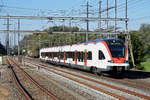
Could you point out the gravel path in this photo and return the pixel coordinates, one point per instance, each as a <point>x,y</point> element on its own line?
<point>8,89</point>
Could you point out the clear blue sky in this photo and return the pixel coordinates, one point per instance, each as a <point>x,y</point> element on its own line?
<point>138,12</point>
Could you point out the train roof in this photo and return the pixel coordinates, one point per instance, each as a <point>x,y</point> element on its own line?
<point>89,42</point>
<point>106,40</point>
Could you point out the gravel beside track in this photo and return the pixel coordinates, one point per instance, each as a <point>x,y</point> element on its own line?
<point>92,85</point>
<point>32,87</point>
<point>60,87</point>
<point>54,86</point>
<point>8,89</point>
<point>111,82</point>
<point>134,81</point>
<point>147,93</point>
<point>76,88</point>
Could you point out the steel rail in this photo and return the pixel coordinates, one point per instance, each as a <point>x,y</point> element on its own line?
<point>83,83</point>
<point>53,97</point>
<point>19,85</point>
<point>102,83</point>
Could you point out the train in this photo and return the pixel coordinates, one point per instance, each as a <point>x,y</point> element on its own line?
<point>33,54</point>
<point>97,56</point>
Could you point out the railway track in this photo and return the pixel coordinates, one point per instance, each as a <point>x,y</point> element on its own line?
<point>55,70</point>
<point>18,84</point>
<point>38,93</point>
<point>130,79</point>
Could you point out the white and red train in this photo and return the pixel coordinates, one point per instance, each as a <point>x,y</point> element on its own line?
<point>96,56</point>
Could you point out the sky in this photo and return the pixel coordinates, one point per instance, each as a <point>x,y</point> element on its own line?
<point>138,12</point>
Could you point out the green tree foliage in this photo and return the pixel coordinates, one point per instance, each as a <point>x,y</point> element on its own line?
<point>137,46</point>
<point>2,50</point>
<point>144,36</point>
<point>62,28</point>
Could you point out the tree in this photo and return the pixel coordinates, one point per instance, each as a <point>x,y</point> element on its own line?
<point>61,28</point>
<point>144,36</point>
<point>2,50</point>
<point>137,46</point>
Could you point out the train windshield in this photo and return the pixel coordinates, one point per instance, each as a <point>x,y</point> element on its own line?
<point>116,48</point>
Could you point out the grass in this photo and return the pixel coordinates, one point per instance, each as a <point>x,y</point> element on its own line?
<point>3,61</point>
<point>146,66</point>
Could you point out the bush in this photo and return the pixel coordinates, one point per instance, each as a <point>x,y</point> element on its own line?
<point>140,67</point>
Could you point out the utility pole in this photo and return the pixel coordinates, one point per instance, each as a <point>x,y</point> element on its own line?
<point>14,34</point>
<point>7,34</point>
<point>115,15</point>
<point>39,42</point>
<point>7,37</point>
<point>70,35</point>
<point>128,38</point>
<point>87,15</point>
<point>107,12</point>
<point>126,22</point>
<point>100,7</point>
<point>18,38</point>
<point>87,22</point>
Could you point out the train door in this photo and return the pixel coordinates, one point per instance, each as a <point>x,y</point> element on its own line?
<point>52,56</point>
<point>85,58</point>
<point>101,58</point>
<point>59,56</point>
<point>64,57</point>
<point>75,54</point>
<point>49,56</point>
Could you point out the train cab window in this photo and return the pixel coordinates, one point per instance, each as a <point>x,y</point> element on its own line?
<point>101,55</point>
<point>43,54</point>
<point>89,55</point>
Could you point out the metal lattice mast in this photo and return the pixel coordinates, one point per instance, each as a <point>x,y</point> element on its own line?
<point>107,12</point>
<point>100,7</point>
<point>128,38</point>
<point>18,37</point>
<point>115,15</point>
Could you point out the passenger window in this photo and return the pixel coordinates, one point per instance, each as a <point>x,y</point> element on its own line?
<point>46,54</point>
<point>82,56</point>
<point>101,55</point>
<point>89,55</point>
<point>61,55</point>
<point>79,56</point>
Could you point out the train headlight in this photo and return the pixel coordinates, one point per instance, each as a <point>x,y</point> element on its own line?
<point>111,61</point>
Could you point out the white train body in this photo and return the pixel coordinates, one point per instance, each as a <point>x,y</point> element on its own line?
<point>104,55</point>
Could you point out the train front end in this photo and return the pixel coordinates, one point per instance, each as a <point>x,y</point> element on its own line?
<point>118,53</point>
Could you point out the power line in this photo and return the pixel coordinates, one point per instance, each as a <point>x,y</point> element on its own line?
<point>134,19</point>
<point>133,4</point>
